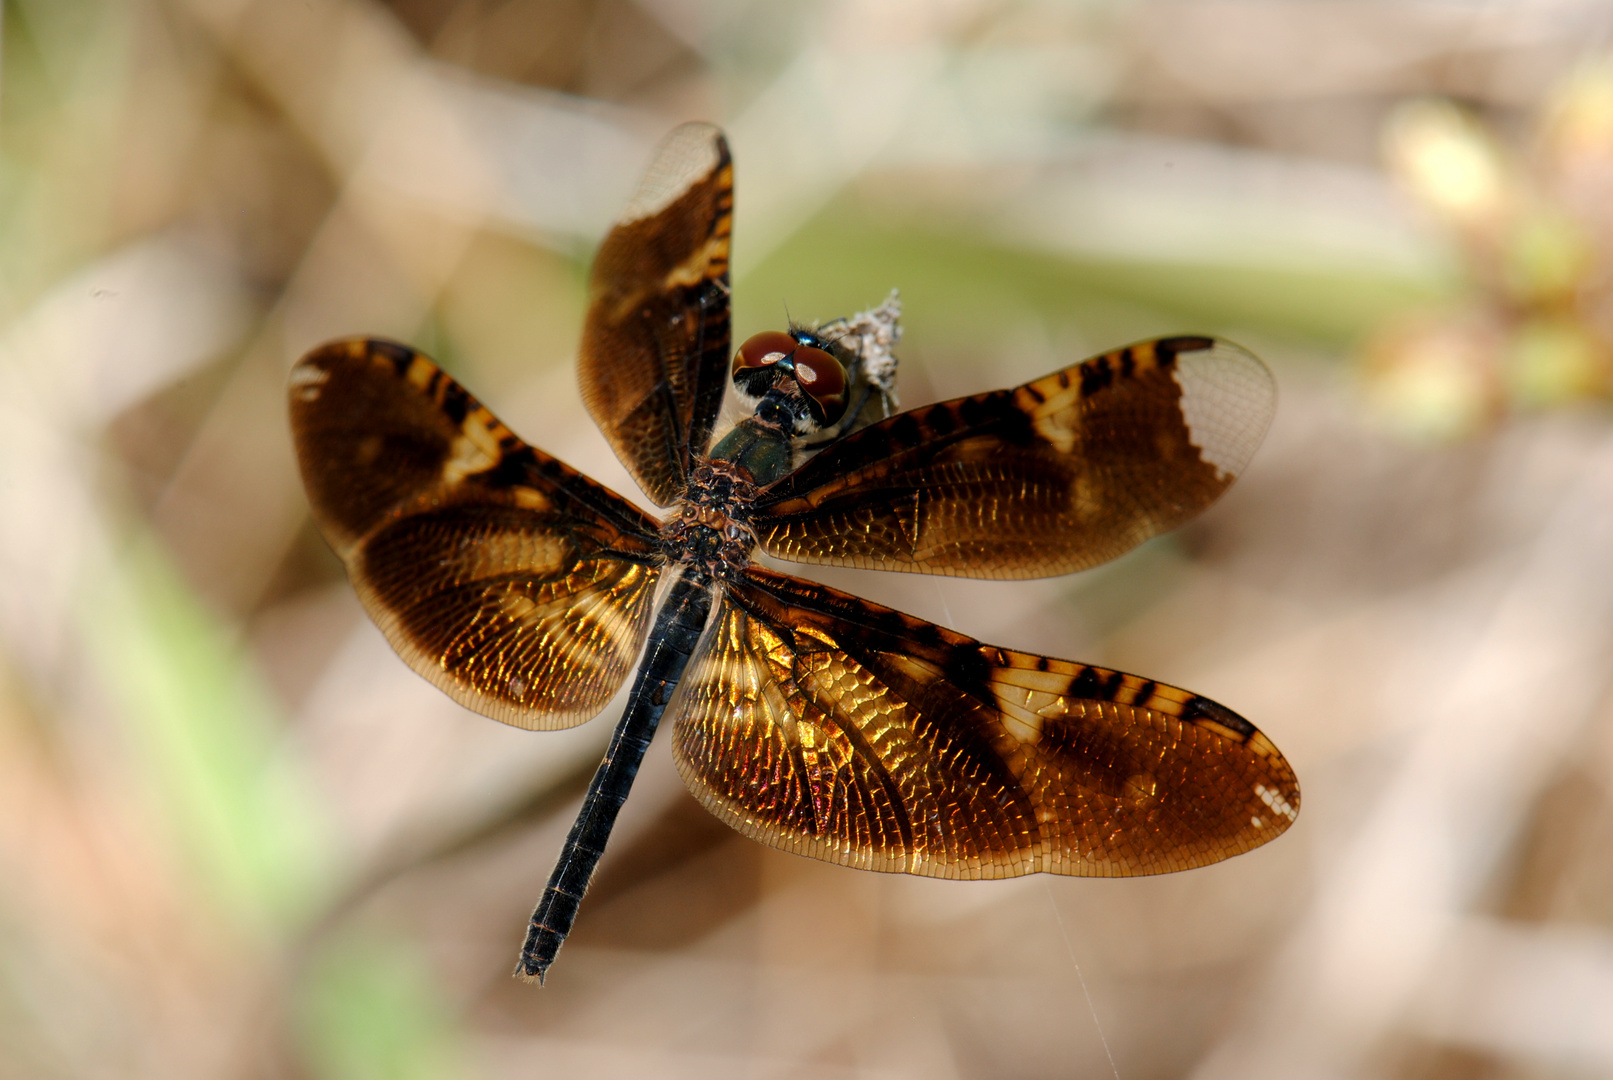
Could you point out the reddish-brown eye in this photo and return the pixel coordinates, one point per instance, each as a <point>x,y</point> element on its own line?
<point>823,379</point>
<point>758,348</point>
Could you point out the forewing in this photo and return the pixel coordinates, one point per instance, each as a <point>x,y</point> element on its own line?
<point>822,724</point>
<point>1054,476</point>
<point>654,357</point>
<point>517,585</point>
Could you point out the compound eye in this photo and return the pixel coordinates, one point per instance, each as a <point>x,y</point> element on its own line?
<point>763,350</point>
<point>821,378</point>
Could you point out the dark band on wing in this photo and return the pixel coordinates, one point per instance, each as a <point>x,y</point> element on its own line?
<point>655,350</point>
<point>511,581</point>
<point>826,725</point>
<point>1057,475</point>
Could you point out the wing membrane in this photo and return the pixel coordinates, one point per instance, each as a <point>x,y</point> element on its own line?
<point>1054,476</point>
<point>515,584</point>
<point>654,357</point>
<point>822,724</point>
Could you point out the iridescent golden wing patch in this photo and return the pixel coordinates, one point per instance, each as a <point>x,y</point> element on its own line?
<point>517,585</point>
<point>1057,475</point>
<point>822,724</point>
<point>654,359</point>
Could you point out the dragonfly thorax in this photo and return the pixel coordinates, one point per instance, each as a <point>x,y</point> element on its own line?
<point>711,529</point>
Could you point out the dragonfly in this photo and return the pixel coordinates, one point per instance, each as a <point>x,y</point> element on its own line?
<point>805,717</point>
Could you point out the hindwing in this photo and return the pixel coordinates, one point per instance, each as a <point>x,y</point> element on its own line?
<point>829,726</point>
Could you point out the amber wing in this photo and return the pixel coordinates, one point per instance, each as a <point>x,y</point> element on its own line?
<point>822,724</point>
<point>512,582</point>
<point>1054,476</point>
<point>654,357</point>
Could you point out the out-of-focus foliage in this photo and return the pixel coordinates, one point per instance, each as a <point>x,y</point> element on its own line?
<point>1534,327</point>
<point>239,838</point>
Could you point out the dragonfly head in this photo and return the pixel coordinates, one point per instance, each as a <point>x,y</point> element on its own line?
<point>796,371</point>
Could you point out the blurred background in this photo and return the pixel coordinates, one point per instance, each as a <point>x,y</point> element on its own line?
<point>238,838</point>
